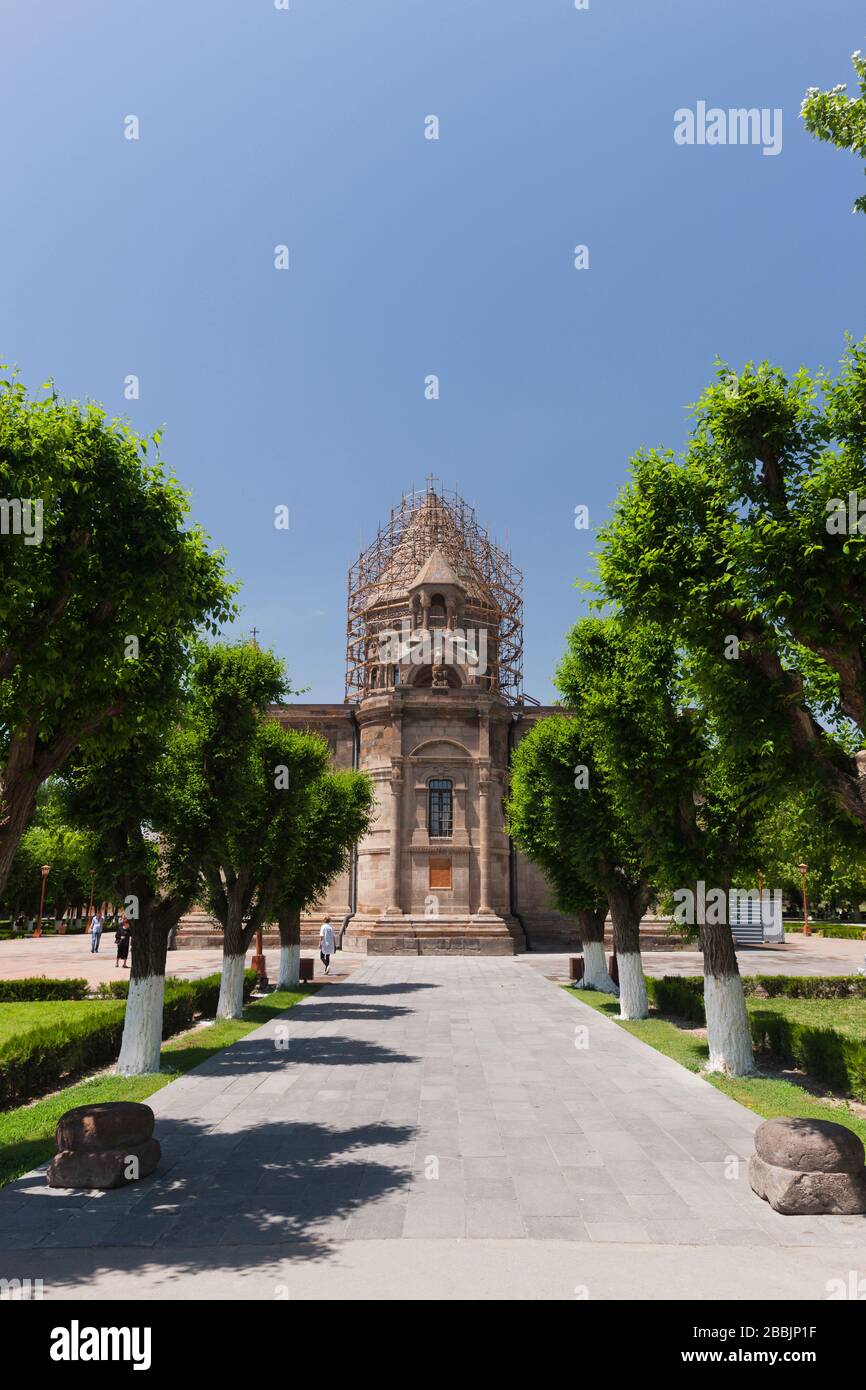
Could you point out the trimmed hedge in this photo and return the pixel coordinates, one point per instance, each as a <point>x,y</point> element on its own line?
<point>40,988</point>
<point>39,1059</point>
<point>826,1053</point>
<point>807,986</point>
<point>680,995</point>
<point>835,1058</point>
<point>683,995</point>
<point>835,933</point>
<point>206,989</point>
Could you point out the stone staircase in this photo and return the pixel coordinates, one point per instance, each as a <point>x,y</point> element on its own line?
<point>418,936</point>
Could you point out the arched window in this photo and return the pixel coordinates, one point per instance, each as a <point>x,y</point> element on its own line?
<point>438,611</point>
<point>440,802</point>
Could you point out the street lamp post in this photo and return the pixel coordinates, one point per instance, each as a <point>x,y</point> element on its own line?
<point>45,871</point>
<point>761,897</point>
<point>807,930</point>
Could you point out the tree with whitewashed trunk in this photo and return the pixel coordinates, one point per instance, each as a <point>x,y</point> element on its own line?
<point>681,791</point>
<point>103,584</point>
<point>562,818</point>
<point>272,789</point>
<point>160,808</point>
<point>202,777</point>
<point>135,806</point>
<point>339,813</point>
<point>748,550</point>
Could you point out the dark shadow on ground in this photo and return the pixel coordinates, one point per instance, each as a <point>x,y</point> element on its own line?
<point>330,1009</point>
<point>240,1057</point>
<point>407,987</point>
<point>282,1183</point>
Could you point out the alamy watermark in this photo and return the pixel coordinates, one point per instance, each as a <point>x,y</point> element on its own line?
<point>846,518</point>
<point>714,907</point>
<point>436,647</point>
<point>21,1290</point>
<point>22,516</point>
<point>739,125</point>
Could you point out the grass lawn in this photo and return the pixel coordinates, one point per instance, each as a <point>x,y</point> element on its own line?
<point>16,1019</point>
<point>767,1095</point>
<point>27,1133</point>
<point>843,1015</point>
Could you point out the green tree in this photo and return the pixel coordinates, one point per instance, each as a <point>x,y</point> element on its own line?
<point>67,849</point>
<point>161,807</point>
<point>272,791</point>
<point>103,584</point>
<point>805,826</point>
<point>676,787</point>
<point>839,119</point>
<point>562,820</point>
<point>748,550</point>
<point>339,813</point>
<point>136,803</point>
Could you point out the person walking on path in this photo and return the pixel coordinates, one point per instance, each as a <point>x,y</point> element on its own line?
<point>326,944</point>
<point>95,933</point>
<point>121,940</point>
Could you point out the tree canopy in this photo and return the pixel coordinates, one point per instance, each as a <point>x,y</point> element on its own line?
<point>103,586</point>
<point>339,812</point>
<point>838,118</point>
<point>740,551</point>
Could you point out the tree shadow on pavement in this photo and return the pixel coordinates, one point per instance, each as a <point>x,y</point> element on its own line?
<point>283,1189</point>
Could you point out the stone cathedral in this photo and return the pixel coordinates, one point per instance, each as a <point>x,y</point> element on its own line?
<point>433,709</point>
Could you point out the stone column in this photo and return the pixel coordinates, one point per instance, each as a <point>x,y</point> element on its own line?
<point>393,909</point>
<point>484,907</point>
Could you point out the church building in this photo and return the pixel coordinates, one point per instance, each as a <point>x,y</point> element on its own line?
<point>433,709</point>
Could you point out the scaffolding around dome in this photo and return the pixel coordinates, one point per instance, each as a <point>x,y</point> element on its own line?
<point>380,582</point>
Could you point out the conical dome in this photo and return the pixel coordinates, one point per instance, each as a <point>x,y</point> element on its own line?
<point>433,541</point>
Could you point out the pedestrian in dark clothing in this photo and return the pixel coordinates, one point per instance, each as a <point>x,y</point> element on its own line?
<point>121,941</point>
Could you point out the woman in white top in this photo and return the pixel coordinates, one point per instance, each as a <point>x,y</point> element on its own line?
<point>326,943</point>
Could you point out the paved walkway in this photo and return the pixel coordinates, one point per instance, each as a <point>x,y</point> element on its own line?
<point>434,1128</point>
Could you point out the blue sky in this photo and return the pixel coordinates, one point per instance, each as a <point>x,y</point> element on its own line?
<point>409,256</point>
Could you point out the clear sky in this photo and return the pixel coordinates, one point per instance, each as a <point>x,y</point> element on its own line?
<point>409,257</point>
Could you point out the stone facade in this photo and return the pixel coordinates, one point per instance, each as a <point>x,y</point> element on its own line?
<point>433,711</point>
<point>433,726</point>
<point>414,891</point>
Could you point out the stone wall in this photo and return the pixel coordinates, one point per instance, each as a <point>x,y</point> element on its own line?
<point>407,737</point>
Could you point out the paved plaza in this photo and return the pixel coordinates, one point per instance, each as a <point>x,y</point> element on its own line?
<point>60,957</point>
<point>70,957</point>
<point>442,1128</point>
<point>800,955</point>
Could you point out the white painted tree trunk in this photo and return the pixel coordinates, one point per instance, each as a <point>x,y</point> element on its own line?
<point>632,985</point>
<point>142,1027</point>
<point>595,972</point>
<point>231,1000</point>
<point>290,967</point>
<point>728,1033</point>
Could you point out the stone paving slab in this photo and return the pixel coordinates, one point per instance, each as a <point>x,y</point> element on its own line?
<point>70,956</point>
<point>800,955</point>
<point>432,1101</point>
